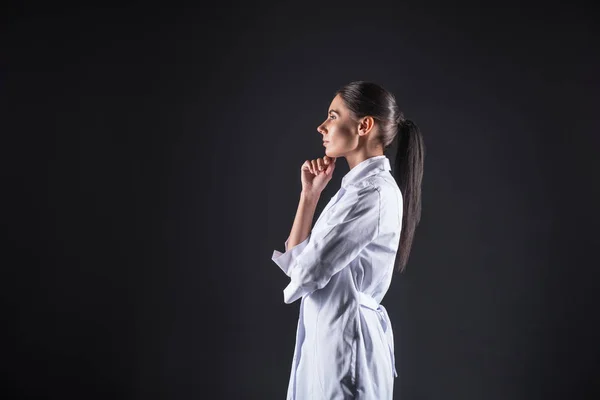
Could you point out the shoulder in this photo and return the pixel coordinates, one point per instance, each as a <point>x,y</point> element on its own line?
<point>386,186</point>
<point>363,191</point>
<point>359,199</point>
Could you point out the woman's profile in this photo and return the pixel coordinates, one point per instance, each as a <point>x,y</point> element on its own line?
<point>342,267</point>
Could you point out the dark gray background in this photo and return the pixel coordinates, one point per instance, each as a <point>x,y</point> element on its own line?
<point>151,161</point>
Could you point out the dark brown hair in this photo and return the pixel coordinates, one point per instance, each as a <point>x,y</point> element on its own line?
<point>370,99</point>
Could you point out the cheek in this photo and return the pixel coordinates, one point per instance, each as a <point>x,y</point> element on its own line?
<point>343,134</point>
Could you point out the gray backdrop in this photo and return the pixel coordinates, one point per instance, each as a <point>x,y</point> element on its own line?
<point>151,160</point>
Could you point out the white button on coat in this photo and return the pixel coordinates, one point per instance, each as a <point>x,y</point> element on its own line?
<point>341,272</point>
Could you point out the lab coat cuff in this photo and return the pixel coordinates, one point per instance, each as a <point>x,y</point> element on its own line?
<point>292,293</point>
<point>286,260</point>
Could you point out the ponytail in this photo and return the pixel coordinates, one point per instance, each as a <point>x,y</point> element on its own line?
<point>408,172</point>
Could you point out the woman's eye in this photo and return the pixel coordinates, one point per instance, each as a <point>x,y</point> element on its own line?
<point>331,116</point>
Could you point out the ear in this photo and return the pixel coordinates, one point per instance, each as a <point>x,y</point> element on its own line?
<point>365,125</point>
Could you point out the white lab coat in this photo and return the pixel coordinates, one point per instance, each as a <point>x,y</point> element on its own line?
<point>341,271</point>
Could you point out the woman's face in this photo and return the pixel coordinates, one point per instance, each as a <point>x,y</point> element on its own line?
<point>339,130</point>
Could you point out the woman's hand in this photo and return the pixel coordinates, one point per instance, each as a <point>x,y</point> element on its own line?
<point>316,174</point>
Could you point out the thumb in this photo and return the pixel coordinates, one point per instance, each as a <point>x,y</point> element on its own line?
<point>330,168</point>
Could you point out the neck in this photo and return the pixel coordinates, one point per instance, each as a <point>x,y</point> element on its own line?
<point>357,157</point>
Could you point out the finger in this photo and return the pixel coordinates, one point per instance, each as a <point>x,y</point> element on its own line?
<point>320,164</point>
<point>307,166</point>
<point>315,167</point>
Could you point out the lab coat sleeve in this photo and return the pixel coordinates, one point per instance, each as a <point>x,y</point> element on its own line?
<point>351,226</point>
<point>286,260</point>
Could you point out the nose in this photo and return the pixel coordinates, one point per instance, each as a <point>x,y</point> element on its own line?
<point>320,129</point>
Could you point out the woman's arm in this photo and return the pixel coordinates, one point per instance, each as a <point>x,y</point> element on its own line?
<point>349,227</point>
<point>304,217</point>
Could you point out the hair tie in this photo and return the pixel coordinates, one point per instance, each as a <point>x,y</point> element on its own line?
<point>403,122</point>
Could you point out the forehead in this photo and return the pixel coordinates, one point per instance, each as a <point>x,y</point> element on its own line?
<point>337,104</point>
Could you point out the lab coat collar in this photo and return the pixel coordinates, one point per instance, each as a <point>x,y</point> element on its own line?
<point>365,168</point>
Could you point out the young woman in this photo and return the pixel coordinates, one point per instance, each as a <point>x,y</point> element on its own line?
<point>343,266</point>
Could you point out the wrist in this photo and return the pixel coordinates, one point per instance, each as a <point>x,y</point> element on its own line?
<point>309,196</point>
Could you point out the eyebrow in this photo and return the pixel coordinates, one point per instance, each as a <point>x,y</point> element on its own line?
<point>335,111</point>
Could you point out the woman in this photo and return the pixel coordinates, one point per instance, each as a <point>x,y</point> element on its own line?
<point>343,266</point>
